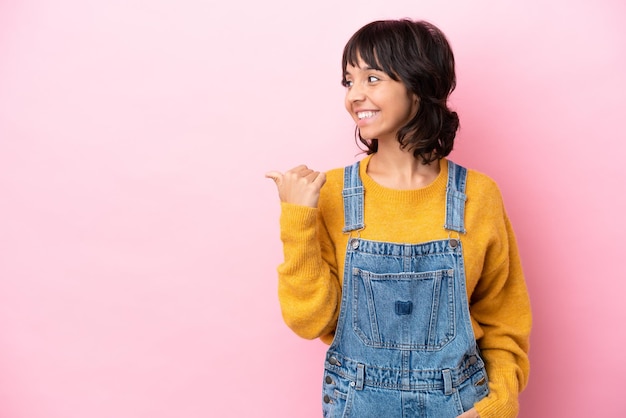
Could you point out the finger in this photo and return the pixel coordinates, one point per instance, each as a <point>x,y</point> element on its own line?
<point>307,174</point>
<point>301,171</point>
<point>277,176</point>
<point>311,175</point>
<point>298,169</point>
<point>320,180</point>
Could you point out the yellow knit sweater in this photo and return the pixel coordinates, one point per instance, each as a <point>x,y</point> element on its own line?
<point>310,277</point>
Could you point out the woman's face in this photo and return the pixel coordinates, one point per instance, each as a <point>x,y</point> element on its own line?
<point>379,105</point>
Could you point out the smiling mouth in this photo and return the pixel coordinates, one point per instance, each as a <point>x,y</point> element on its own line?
<point>366,115</point>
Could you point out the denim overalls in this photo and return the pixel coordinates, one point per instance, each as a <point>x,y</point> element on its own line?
<point>404,344</point>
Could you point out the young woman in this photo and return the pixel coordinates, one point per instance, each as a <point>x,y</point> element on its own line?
<point>405,262</point>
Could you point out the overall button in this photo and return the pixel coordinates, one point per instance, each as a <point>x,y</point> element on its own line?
<point>326,399</point>
<point>329,380</point>
<point>333,361</point>
<point>354,243</point>
<point>454,243</point>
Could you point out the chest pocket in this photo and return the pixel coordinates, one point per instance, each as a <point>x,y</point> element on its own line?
<point>410,311</point>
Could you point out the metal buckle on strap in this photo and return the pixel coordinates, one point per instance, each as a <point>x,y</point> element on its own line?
<point>360,376</point>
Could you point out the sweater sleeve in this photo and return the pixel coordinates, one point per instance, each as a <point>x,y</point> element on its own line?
<point>501,307</point>
<point>308,288</point>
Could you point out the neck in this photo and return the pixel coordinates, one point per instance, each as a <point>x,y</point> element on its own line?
<point>396,168</point>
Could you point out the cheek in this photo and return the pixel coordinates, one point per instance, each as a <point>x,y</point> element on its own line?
<point>412,106</point>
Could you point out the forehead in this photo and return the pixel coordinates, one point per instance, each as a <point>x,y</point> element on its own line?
<point>359,65</point>
<point>361,56</point>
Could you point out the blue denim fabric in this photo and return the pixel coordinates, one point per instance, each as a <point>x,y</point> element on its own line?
<point>404,344</point>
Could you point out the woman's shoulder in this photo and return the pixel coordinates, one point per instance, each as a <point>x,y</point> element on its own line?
<point>481,180</point>
<point>335,177</point>
<point>331,193</point>
<point>482,187</point>
<point>335,174</point>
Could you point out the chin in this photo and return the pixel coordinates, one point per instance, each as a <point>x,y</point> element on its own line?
<point>367,136</point>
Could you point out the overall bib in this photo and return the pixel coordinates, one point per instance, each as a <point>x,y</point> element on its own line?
<point>404,344</point>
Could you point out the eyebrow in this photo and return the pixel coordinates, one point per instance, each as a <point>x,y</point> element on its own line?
<point>368,68</point>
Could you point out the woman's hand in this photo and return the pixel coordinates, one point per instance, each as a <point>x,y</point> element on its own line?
<point>300,185</point>
<point>469,414</point>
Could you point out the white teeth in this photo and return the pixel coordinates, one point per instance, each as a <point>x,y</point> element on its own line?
<point>363,115</point>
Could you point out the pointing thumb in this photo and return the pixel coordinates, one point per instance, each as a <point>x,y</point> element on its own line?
<point>274,175</point>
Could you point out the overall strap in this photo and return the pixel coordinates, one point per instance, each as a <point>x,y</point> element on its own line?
<point>455,198</point>
<point>352,198</point>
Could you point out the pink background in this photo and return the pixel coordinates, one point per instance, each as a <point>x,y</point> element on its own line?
<point>139,239</point>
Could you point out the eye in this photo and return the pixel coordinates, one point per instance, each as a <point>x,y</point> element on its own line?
<point>346,83</point>
<point>372,79</point>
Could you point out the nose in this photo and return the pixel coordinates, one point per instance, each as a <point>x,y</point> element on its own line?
<point>355,93</point>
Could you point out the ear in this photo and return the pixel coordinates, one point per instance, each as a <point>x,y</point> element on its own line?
<point>416,101</point>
